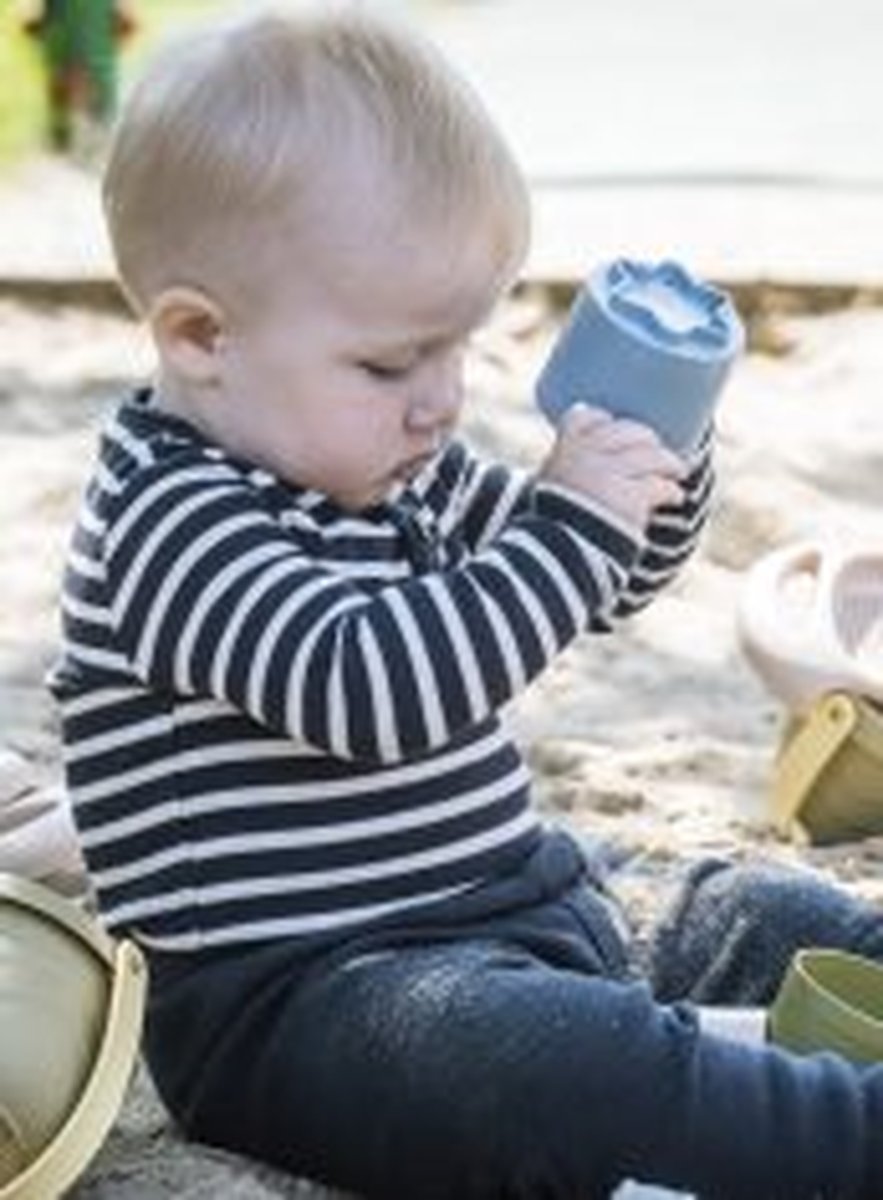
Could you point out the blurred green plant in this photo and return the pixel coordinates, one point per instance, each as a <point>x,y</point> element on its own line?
<point>22,105</point>
<point>22,96</point>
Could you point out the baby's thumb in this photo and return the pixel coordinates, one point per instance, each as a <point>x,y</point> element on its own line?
<point>582,417</point>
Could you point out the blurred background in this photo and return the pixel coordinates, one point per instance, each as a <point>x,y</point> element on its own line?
<point>746,90</point>
<point>744,135</point>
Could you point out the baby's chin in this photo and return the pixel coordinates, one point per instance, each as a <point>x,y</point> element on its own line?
<point>352,500</point>
<point>364,501</point>
<point>388,492</point>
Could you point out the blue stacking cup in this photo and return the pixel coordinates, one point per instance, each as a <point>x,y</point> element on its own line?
<point>646,341</point>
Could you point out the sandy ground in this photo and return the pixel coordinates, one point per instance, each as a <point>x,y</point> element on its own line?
<point>657,740</point>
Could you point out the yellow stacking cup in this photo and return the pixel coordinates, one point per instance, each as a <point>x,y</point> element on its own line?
<point>828,775</point>
<point>830,1000</point>
<point>71,1008</point>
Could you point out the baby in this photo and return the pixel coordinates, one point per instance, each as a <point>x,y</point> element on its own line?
<point>294,606</point>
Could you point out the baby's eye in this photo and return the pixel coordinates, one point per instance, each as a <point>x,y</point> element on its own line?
<point>385,370</point>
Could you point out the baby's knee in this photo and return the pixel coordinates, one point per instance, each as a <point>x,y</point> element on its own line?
<point>778,902</point>
<point>763,895</point>
<point>733,930</point>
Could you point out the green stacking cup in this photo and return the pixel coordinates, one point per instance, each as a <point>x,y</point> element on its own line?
<point>71,1008</point>
<point>830,1000</point>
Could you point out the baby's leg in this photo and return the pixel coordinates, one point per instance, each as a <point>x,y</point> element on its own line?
<point>475,1071</point>
<point>733,930</point>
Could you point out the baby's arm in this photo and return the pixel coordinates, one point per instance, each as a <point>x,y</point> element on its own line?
<point>495,494</point>
<point>670,537</point>
<point>209,596</point>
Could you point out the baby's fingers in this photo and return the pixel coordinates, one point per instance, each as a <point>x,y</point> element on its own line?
<point>584,419</point>
<point>649,458</point>
<point>622,436</point>
<point>665,492</point>
<point>632,438</point>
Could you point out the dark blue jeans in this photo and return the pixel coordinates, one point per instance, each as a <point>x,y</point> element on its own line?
<point>503,1049</point>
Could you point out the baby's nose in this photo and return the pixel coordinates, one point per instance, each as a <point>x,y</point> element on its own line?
<point>438,394</point>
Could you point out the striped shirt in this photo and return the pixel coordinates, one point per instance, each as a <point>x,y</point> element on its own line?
<point>281,719</point>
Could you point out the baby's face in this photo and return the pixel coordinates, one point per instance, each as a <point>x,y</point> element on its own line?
<point>349,379</point>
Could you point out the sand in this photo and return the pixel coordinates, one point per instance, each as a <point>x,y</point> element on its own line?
<point>656,740</point>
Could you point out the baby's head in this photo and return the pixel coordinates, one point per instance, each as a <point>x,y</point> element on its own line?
<point>298,189</point>
<point>247,131</point>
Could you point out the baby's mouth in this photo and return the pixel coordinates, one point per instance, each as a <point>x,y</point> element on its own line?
<point>411,468</point>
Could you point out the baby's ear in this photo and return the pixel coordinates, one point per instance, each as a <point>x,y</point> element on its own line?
<point>188,328</point>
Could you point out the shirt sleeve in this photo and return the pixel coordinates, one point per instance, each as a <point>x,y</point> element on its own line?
<point>670,539</point>
<point>491,494</point>
<point>495,494</point>
<point>209,595</point>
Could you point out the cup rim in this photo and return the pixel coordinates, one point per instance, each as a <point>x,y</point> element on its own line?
<point>806,958</point>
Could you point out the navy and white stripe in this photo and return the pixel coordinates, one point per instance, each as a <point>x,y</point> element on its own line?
<point>279,718</point>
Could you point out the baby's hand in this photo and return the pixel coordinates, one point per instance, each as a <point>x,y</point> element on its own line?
<point>622,464</point>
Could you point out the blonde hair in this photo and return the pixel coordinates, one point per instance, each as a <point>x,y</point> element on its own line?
<point>232,127</point>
